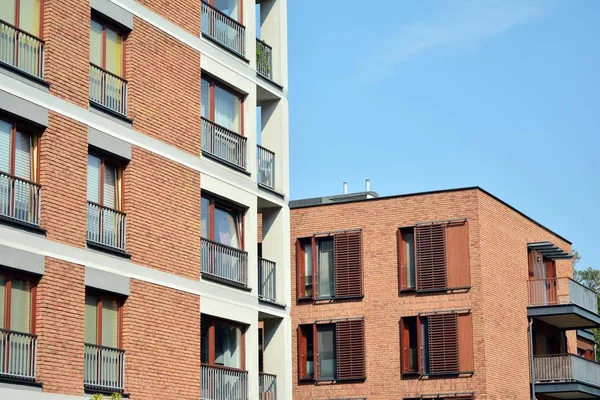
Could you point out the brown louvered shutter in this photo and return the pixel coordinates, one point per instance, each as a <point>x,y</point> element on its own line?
<point>347,264</point>
<point>431,257</point>
<point>350,349</point>
<point>443,343</point>
<point>300,278</point>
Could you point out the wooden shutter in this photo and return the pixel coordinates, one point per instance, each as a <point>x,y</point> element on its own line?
<point>443,343</point>
<point>401,264</point>
<point>457,255</point>
<point>347,264</point>
<point>431,257</point>
<point>300,279</point>
<point>465,343</point>
<point>404,351</point>
<point>301,353</point>
<point>350,349</point>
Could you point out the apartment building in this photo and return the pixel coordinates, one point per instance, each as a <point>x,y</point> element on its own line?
<point>452,294</point>
<point>140,143</point>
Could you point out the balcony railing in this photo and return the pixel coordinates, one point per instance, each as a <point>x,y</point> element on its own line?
<point>108,90</point>
<point>21,50</point>
<point>267,279</point>
<point>223,144</point>
<point>224,262</point>
<point>264,59</point>
<point>106,227</point>
<point>223,29</point>
<point>266,166</point>
<point>558,291</point>
<point>20,199</point>
<point>18,355</point>
<point>267,386</point>
<point>104,368</point>
<point>222,383</point>
<point>566,367</point>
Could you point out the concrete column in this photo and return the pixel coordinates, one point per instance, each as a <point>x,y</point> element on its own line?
<point>273,30</point>
<point>277,356</point>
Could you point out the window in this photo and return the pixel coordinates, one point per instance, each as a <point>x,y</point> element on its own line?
<point>338,348</point>
<point>437,344</point>
<point>104,185</point>
<point>102,320</point>
<point>221,222</point>
<point>19,194</point>
<point>222,343</point>
<point>107,48</point>
<point>231,8</point>
<point>17,300</point>
<point>24,14</point>
<point>543,285</point>
<point>329,267</point>
<point>222,106</point>
<point>434,257</point>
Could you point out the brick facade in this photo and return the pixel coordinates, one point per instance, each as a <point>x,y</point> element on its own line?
<point>494,264</point>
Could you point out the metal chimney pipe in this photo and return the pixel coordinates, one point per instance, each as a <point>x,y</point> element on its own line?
<point>345,187</point>
<point>368,185</point>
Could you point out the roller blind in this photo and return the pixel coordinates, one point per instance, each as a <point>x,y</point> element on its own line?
<point>5,133</point>
<point>20,306</point>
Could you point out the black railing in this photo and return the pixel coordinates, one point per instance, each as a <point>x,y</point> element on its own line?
<point>21,50</point>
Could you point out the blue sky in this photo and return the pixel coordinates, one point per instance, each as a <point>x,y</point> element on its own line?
<point>500,94</point>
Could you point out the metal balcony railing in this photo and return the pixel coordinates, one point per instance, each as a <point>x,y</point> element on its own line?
<point>222,383</point>
<point>106,226</point>
<point>267,386</point>
<point>103,368</point>
<point>108,90</point>
<point>558,291</point>
<point>566,368</point>
<point>21,50</point>
<point>20,199</point>
<point>264,59</point>
<point>18,355</point>
<point>267,279</point>
<point>266,166</point>
<point>224,262</point>
<point>223,29</point>
<point>223,144</point>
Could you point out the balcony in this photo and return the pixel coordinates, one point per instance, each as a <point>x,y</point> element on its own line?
<point>563,302</point>
<point>267,280</point>
<point>108,91</point>
<point>223,30</point>
<point>106,227</point>
<point>267,386</point>
<point>18,355</point>
<point>266,167</point>
<point>21,50</point>
<point>20,200</point>
<point>103,368</point>
<point>222,383</point>
<point>264,59</point>
<point>223,144</point>
<point>567,376</point>
<point>224,263</point>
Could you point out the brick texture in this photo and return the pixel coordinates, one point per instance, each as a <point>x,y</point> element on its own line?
<point>164,86</point>
<point>185,14</point>
<point>59,326</point>
<point>161,338</point>
<point>500,336</point>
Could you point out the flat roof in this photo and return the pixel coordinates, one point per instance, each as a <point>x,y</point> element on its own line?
<point>302,203</point>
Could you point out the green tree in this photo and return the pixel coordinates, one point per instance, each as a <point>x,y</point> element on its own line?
<point>589,277</point>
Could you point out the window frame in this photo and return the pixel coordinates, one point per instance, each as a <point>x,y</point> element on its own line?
<point>216,202</point>
<point>98,18</point>
<point>313,329</point>
<point>402,258</point>
<point>17,125</point>
<point>33,281</point>
<point>240,4</point>
<point>212,322</point>
<point>119,184</point>
<point>100,297</point>
<point>18,19</point>
<point>212,83</point>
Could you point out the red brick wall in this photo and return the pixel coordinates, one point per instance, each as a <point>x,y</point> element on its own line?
<point>59,326</point>
<point>63,176</point>
<point>185,14</point>
<point>161,338</point>
<point>164,86</point>
<point>162,202</point>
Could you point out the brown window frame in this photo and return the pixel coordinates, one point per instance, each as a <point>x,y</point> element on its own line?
<point>105,296</point>
<point>35,136</point>
<point>212,322</point>
<point>33,281</point>
<point>212,82</point>
<point>18,18</point>
<point>120,168</point>
<point>216,202</point>
<point>98,18</point>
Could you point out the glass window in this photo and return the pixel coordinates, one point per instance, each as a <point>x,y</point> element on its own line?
<point>227,109</point>
<point>409,251</point>
<point>327,361</point>
<point>228,343</point>
<point>96,43</point>
<point>8,11</point>
<point>105,309</point>
<point>310,355</point>
<point>226,231</point>
<point>29,16</point>
<point>93,179</point>
<point>204,211</point>
<point>90,321</point>
<point>326,273</point>
<point>205,99</point>
<point>114,53</point>
<point>5,153</point>
<point>308,270</point>
<point>20,306</point>
<point>106,48</point>
<point>2,299</point>
<point>110,323</point>
<point>230,8</point>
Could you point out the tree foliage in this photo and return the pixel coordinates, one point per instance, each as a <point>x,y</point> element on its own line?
<point>589,277</point>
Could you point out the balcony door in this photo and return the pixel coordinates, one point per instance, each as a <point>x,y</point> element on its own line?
<point>104,200</point>
<point>21,51</point>
<point>544,286</point>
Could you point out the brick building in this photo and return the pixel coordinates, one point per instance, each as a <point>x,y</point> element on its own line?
<point>140,140</point>
<point>431,296</point>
